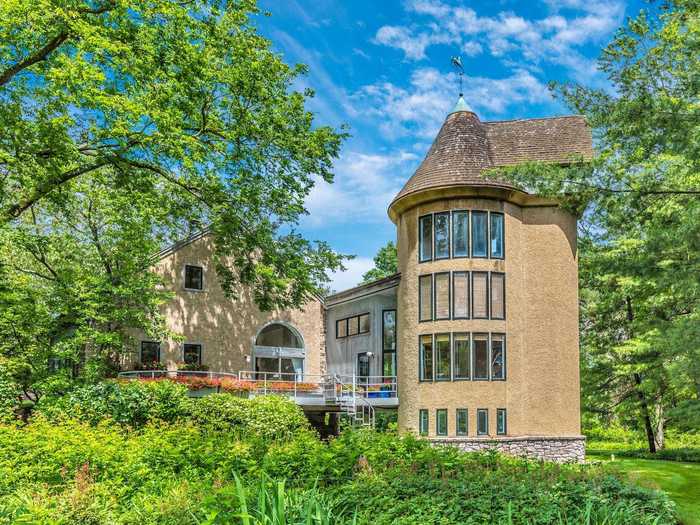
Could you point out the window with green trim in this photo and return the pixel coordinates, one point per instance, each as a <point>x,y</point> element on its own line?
<point>501,428</point>
<point>462,422</point>
<point>482,422</point>
<point>423,422</point>
<point>441,422</point>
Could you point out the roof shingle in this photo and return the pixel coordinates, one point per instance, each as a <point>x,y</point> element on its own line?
<point>465,147</point>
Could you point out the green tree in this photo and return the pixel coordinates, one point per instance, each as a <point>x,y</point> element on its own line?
<point>639,204</point>
<point>126,125</point>
<point>185,95</point>
<point>385,263</point>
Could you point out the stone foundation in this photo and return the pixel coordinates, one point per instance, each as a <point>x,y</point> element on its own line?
<point>567,449</point>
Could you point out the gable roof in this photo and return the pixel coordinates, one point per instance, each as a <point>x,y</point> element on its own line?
<point>465,147</point>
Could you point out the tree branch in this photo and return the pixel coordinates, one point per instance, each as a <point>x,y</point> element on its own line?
<point>32,59</point>
<point>45,188</point>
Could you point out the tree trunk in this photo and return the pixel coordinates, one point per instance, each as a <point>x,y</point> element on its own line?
<point>645,414</point>
<point>638,387</point>
<point>660,438</point>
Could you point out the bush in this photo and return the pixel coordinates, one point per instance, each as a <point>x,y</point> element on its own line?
<point>9,399</point>
<point>131,403</point>
<point>266,417</point>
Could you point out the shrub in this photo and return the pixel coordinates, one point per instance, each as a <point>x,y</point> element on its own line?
<point>266,417</point>
<point>9,398</point>
<point>132,403</point>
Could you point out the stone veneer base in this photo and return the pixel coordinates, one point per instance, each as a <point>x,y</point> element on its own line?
<point>560,449</point>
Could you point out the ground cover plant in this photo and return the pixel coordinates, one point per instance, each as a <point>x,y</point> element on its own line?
<point>146,453</point>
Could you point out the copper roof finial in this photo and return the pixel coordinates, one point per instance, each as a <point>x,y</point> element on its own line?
<point>461,103</point>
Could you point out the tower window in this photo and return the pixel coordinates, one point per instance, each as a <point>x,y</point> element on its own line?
<point>426,358</point>
<point>460,343</point>
<point>442,295</point>
<point>498,356</point>
<point>498,295</point>
<point>442,235</point>
<point>479,234</point>
<point>496,235</point>
<point>442,357</point>
<point>480,294</point>
<point>425,233</point>
<point>460,295</point>
<point>460,234</point>
<point>482,422</point>
<point>425,297</point>
<point>480,353</point>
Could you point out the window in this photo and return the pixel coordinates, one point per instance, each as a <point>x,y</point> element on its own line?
<point>441,422</point>
<point>278,335</point>
<point>426,358</point>
<point>482,422</point>
<point>479,234</point>
<point>423,422</point>
<point>442,295</point>
<point>497,235</point>
<point>442,235</point>
<point>286,368</point>
<point>498,295</point>
<point>425,298</point>
<point>192,354</point>
<point>460,295</point>
<point>353,325</point>
<point>460,234</point>
<point>480,351</point>
<point>364,323</point>
<point>501,428</point>
<point>150,352</point>
<point>425,233</point>
<point>341,328</point>
<point>442,357</point>
<point>460,344</point>
<point>498,356</point>
<point>462,422</point>
<point>194,277</point>
<point>363,365</point>
<point>480,294</point>
<point>357,324</point>
<point>389,343</point>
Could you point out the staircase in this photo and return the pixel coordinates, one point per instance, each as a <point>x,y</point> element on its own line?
<point>354,405</point>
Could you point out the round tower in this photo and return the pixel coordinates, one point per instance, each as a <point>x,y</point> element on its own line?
<point>488,297</point>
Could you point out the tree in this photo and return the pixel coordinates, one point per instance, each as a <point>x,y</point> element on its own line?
<point>385,263</point>
<point>126,125</point>
<point>639,204</point>
<point>183,95</point>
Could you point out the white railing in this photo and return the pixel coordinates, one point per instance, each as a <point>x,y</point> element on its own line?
<point>290,383</point>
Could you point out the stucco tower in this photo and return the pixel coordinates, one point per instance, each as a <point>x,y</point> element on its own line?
<point>488,297</point>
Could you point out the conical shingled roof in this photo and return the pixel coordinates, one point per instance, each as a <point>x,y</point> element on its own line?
<point>465,147</point>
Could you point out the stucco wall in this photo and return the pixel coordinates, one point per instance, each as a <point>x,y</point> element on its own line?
<point>541,392</point>
<point>226,328</point>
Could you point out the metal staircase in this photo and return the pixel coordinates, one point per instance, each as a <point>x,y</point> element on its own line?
<point>359,410</point>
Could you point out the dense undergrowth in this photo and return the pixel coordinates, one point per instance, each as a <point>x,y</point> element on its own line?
<point>224,459</point>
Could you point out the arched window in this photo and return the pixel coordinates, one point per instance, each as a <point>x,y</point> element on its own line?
<point>279,353</point>
<point>278,335</point>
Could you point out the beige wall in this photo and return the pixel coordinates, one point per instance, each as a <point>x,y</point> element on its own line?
<point>541,391</point>
<point>226,328</point>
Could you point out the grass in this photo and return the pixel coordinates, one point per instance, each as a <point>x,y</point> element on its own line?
<point>681,481</point>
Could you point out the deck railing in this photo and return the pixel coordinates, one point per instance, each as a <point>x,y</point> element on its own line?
<point>289,383</point>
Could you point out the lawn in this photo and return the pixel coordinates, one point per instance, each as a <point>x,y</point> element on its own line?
<point>681,481</point>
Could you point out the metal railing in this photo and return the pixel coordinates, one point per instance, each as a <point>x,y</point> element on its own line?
<point>289,383</point>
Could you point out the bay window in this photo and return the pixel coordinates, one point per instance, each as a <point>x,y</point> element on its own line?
<point>480,356</point>
<point>442,357</point>
<point>442,295</point>
<point>479,234</point>
<point>460,234</point>
<point>496,235</point>
<point>460,344</point>
<point>442,235</point>
<point>425,236</point>
<point>426,358</point>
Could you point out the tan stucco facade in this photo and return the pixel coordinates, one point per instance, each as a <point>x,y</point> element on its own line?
<point>226,328</point>
<point>541,389</point>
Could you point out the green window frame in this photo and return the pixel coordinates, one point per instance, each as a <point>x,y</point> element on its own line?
<point>443,357</point>
<point>441,422</point>
<point>461,356</point>
<point>501,425</point>
<point>496,244</point>
<point>442,235</point>
<point>425,343</point>
<point>462,422</point>
<point>480,234</point>
<point>482,422</point>
<point>423,422</point>
<point>425,236</point>
<point>460,234</point>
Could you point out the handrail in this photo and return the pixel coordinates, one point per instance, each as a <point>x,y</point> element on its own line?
<point>366,404</point>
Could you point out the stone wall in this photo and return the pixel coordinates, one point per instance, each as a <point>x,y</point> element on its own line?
<point>559,449</point>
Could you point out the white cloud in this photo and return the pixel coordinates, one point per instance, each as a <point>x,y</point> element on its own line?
<point>364,185</point>
<point>419,109</point>
<point>352,276</point>
<point>555,39</point>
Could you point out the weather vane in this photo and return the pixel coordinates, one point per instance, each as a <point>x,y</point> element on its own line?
<point>457,63</point>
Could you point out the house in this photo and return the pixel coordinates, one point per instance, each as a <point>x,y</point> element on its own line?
<point>474,342</point>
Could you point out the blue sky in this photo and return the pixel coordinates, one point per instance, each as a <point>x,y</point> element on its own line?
<point>383,68</point>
